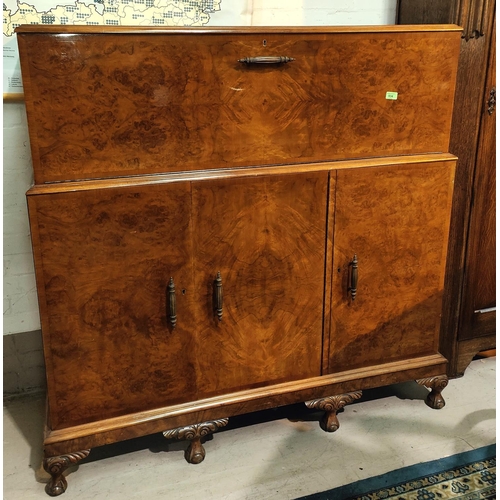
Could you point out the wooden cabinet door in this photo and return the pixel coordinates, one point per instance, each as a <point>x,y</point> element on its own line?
<point>395,220</point>
<point>104,259</point>
<point>266,236</point>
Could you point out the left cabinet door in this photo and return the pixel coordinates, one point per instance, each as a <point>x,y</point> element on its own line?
<point>104,260</point>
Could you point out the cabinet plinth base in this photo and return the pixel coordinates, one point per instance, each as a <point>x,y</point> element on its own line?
<point>331,405</point>
<point>436,384</point>
<point>56,466</point>
<point>195,453</point>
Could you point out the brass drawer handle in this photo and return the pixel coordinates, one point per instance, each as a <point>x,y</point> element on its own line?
<point>172,312</point>
<point>353,285</point>
<point>266,60</point>
<point>218,296</point>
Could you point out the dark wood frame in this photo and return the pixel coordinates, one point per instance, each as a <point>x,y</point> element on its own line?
<point>477,17</point>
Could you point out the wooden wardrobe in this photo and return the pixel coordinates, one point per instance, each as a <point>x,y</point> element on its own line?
<point>469,312</point>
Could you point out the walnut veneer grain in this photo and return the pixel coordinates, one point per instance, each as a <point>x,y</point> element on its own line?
<point>395,219</point>
<point>107,259</point>
<point>193,219</point>
<point>105,105</point>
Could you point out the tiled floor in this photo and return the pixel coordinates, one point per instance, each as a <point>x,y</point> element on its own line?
<point>278,456</point>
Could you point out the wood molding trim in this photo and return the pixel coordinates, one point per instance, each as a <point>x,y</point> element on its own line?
<point>148,422</point>
<point>140,180</point>
<point>234,30</point>
<point>473,16</point>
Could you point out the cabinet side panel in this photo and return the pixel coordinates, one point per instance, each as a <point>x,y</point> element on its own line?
<point>105,258</point>
<point>396,221</point>
<point>42,301</point>
<point>25,57</point>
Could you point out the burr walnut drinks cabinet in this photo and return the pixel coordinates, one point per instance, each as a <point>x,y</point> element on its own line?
<point>231,219</point>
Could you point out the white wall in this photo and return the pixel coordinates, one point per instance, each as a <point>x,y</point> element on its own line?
<point>20,299</point>
<point>20,302</point>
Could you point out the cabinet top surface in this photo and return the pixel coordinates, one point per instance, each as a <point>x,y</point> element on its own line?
<point>77,30</point>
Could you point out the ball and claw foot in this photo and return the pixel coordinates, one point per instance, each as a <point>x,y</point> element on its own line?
<point>331,405</point>
<point>434,399</point>
<point>56,486</point>
<point>329,422</point>
<point>195,454</point>
<point>56,466</point>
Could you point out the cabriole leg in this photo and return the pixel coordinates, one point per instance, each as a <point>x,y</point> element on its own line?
<point>56,466</point>
<point>436,384</point>
<point>195,453</point>
<point>331,405</point>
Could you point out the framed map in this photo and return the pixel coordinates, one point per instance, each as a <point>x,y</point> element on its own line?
<point>93,12</point>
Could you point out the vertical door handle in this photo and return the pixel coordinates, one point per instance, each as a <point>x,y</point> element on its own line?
<point>218,296</point>
<point>172,309</point>
<point>353,281</point>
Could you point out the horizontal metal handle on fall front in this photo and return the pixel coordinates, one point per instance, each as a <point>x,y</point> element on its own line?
<point>266,60</point>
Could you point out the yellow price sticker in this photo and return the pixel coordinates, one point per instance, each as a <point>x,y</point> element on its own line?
<point>391,96</point>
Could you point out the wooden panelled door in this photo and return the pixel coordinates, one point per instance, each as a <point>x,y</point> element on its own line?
<point>266,236</point>
<point>108,256</point>
<point>478,315</point>
<point>386,306</point>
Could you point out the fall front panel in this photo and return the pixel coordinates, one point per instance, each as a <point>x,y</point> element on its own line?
<point>105,105</point>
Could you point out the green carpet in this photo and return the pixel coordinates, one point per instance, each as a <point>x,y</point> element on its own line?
<point>467,476</point>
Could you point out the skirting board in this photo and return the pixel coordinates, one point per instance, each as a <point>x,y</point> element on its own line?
<point>23,364</point>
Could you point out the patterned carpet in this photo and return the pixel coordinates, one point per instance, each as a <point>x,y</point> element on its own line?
<point>467,476</point>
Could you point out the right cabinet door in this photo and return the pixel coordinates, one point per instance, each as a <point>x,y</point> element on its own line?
<point>386,301</point>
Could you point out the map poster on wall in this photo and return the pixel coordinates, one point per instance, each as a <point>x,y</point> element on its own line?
<point>105,13</point>
<point>12,83</point>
